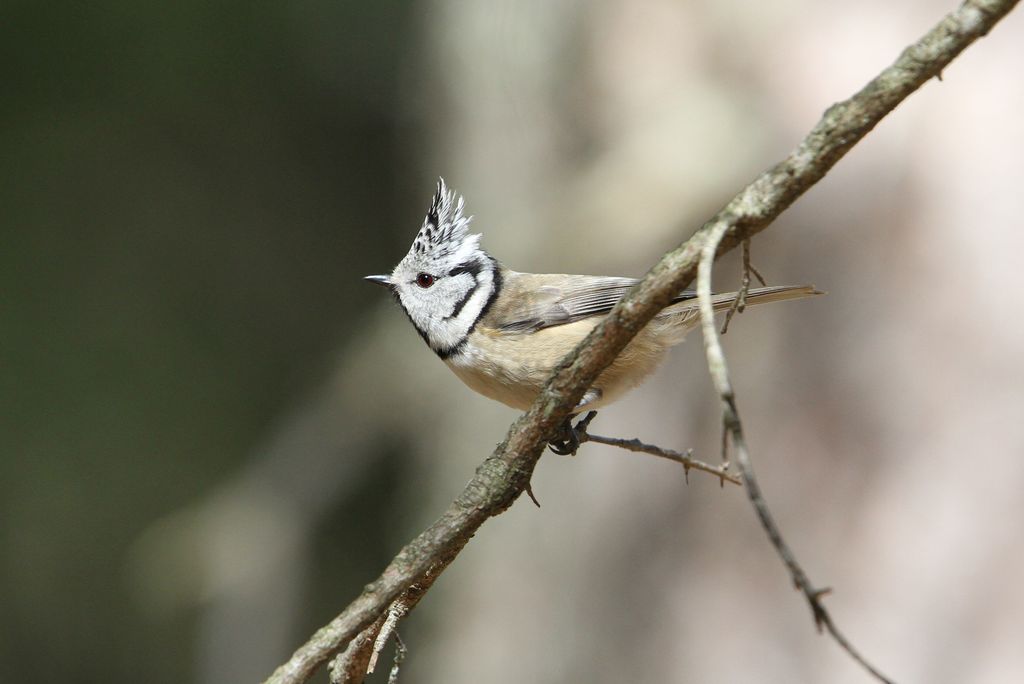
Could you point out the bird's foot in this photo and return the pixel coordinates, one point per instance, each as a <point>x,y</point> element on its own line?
<point>569,437</point>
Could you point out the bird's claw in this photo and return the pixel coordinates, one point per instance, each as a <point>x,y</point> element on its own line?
<point>569,437</point>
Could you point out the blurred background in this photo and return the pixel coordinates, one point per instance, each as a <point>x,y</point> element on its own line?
<point>214,432</point>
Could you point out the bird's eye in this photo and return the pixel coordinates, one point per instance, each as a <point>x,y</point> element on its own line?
<point>424,280</point>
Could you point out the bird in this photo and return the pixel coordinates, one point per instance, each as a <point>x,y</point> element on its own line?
<point>502,332</point>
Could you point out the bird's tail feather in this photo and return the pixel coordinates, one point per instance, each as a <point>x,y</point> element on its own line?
<point>684,315</point>
<point>764,295</point>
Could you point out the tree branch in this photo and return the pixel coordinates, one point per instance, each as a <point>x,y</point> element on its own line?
<point>501,478</point>
<point>686,460</point>
<point>352,665</point>
<point>732,426</point>
<point>358,659</point>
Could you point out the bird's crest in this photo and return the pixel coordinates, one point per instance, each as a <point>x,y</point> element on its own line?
<point>445,232</point>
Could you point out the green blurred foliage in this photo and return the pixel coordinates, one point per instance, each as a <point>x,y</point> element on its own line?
<point>190,192</point>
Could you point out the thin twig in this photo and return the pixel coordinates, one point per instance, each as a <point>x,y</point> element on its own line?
<point>501,478</point>
<point>684,460</point>
<point>739,304</point>
<point>351,665</point>
<point>360,657</point>
<point>396,612</point>
<point>581,435</point>
<point>747,266</point>
<point>733,427</point>
<point>400,652</point>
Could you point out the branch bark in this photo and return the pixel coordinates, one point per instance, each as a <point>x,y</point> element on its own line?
<point>502,477</point>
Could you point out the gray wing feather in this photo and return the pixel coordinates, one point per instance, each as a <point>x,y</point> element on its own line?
<point>578,298</point>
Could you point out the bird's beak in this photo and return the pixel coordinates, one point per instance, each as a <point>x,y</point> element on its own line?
<point>380,280</point>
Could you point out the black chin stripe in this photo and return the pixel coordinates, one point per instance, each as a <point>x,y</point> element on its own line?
<point>452,350</point>
<point>420,330</point>
<point>457,347</point>
<point>423,334</point>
